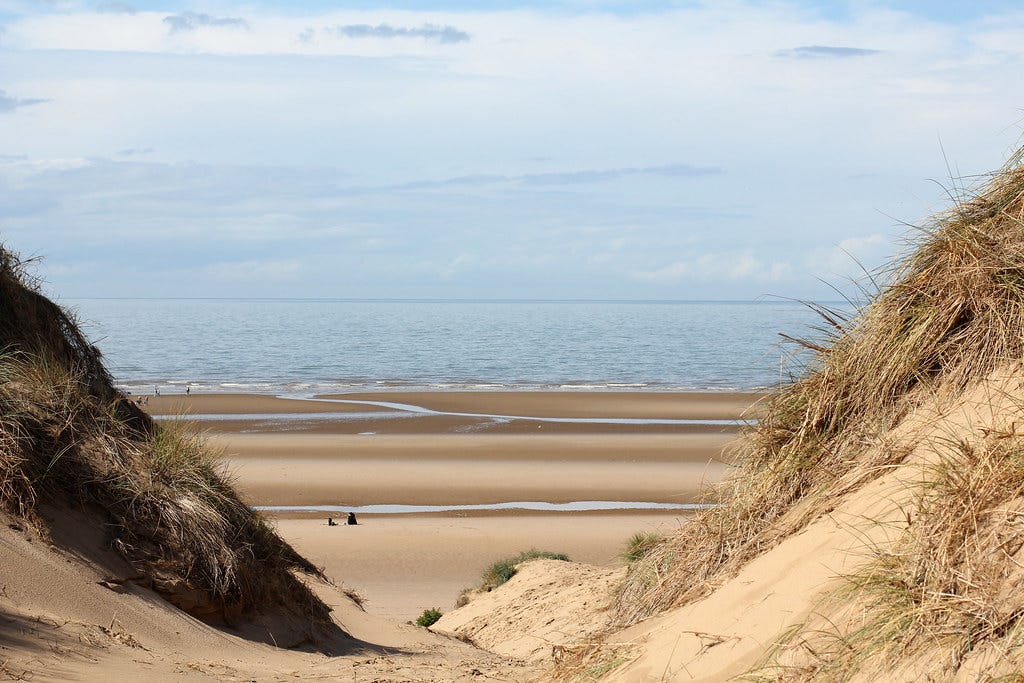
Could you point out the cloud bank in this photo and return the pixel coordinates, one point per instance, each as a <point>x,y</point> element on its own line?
<point>826,52</point>
<point>441,34</point>
<point>9,103</point>
<point>596,150</point>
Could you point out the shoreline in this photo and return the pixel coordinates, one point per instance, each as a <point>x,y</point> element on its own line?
<point>444,449</point>
<point>583,404</point>
<point>463,412</point>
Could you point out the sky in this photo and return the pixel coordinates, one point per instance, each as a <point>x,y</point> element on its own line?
<point>581,149</point>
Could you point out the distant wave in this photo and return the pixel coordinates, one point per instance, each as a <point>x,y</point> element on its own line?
<point>138,386</point>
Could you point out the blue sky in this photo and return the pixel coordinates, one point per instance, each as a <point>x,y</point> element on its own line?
<point>576,149</point>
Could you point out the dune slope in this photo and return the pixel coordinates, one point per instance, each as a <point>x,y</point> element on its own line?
<point>125,553</point>
<point>872,529</point>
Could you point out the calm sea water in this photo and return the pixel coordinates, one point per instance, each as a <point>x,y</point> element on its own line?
<point>315,346</point>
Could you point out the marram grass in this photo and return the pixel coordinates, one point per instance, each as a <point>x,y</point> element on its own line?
<point>70,439</point>
<point>953,312</point>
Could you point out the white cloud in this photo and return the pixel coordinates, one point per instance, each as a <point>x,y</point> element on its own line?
<point>9,103</point>
<point>255,271</point>
<point>245,33</point>
<point>442,34</point>
<point>17,168</point>
<point>719,267</point>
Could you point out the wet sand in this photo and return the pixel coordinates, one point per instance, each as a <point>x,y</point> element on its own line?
<point>285,452</point>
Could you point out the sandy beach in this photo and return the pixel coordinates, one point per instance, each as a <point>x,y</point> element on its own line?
<point>463,448</point>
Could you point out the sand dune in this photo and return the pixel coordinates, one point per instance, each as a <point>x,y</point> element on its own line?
<point>63,617</point>
<point>100,625</point>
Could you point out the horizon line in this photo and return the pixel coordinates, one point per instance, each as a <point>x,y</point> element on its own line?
<point>767,299</point>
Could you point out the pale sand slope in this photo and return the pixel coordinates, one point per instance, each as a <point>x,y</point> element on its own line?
<point>735,628</point>
<point>573,597</point>
<point>63,617</point>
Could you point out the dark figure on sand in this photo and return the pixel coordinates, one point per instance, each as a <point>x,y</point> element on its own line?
<point>352,518</point>
<point>331,522</point>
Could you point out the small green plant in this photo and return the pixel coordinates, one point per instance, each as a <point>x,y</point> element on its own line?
<point>428,617</point>
<point>639,544</point>
<point>503,570</point>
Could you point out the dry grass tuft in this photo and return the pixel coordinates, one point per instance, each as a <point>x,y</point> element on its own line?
<point>953,312</point>
<point>30,323</point>
<point>589,661</point>
<point>172,513</point>
<point>952,585</point>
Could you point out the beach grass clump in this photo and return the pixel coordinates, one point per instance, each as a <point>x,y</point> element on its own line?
<point>31,323</point>
<point>639,544</point>
<point>951,313</point>
<point>171,511</point>
<point>429,617</point>
<point>503,570</point>
<point>71,440</point>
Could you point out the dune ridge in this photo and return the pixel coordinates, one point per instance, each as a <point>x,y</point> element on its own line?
<point>127,554</point>
<point>870,529</point>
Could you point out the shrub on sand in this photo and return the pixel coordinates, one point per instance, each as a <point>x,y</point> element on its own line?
<point>428,617</point>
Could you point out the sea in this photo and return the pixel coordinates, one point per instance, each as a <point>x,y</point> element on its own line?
<point>313,346</point>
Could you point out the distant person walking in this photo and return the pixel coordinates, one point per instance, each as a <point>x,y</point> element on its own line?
<point>188,390</point>
<point>352,518</point>
<point>156,391</point>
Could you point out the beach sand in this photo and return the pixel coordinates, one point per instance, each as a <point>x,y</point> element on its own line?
<point>285,452</point>
<point>403,564</point>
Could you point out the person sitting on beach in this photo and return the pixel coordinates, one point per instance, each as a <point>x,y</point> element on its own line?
<point>331,522</point>
<point>352,518</point>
